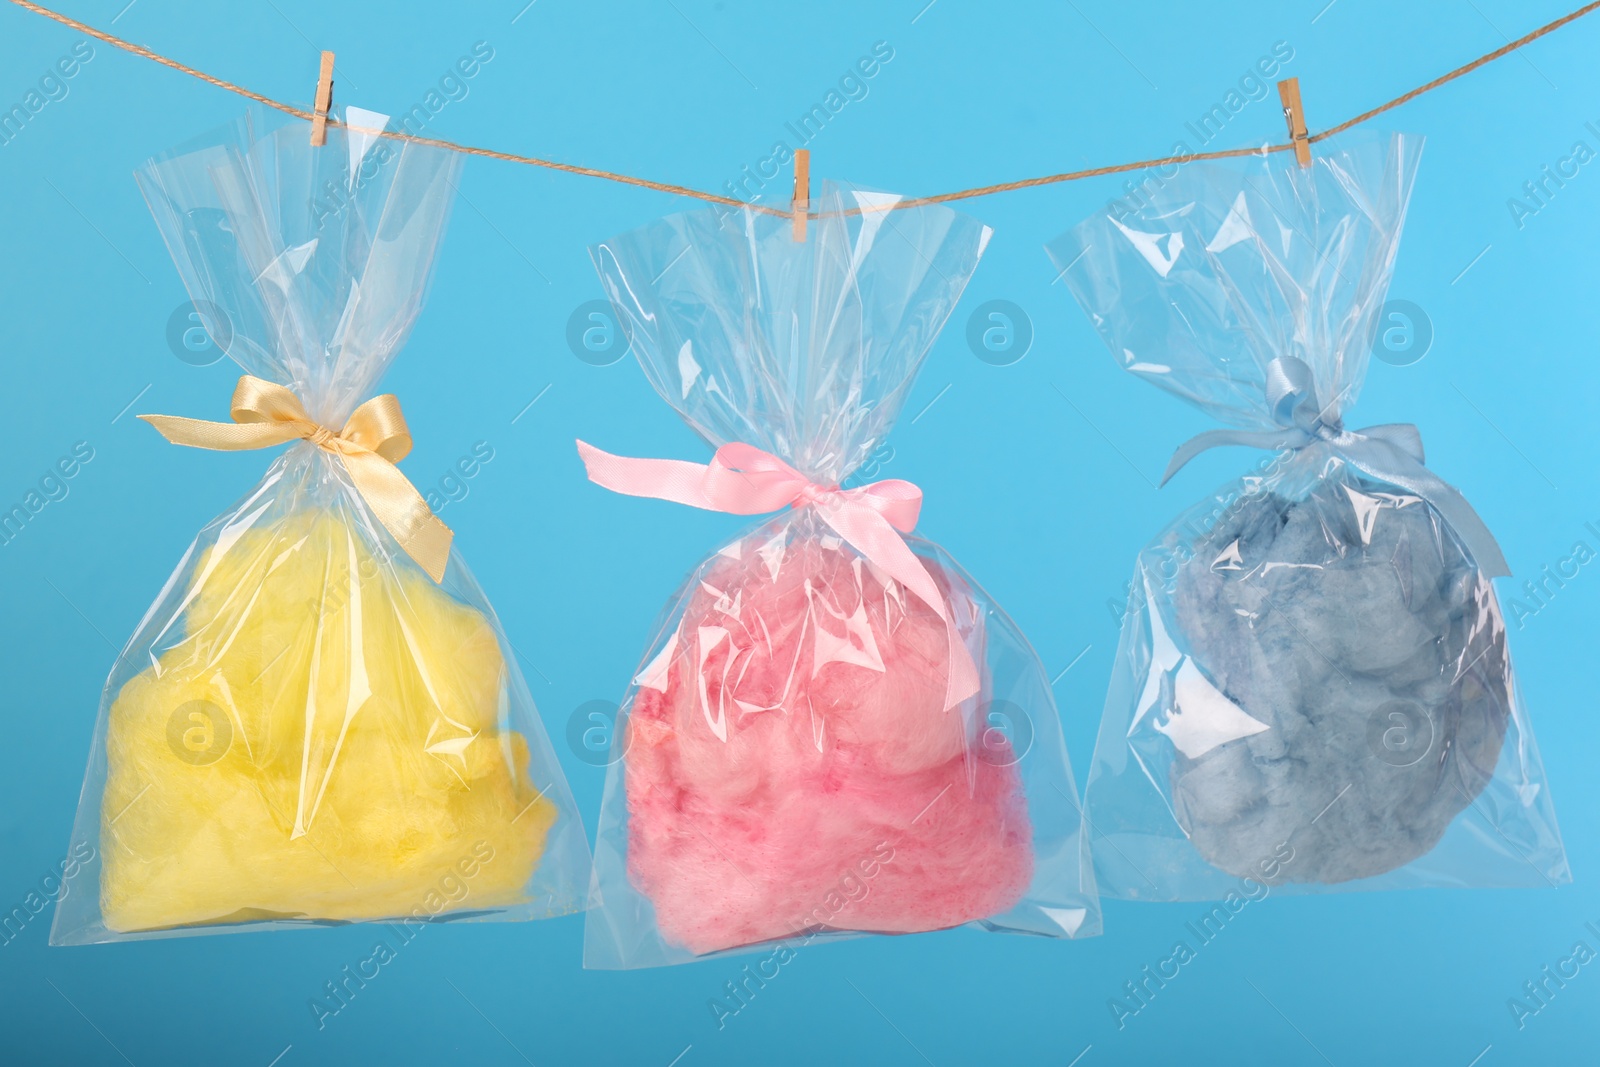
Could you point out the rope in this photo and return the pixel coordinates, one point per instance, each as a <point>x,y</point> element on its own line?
<point>717,198</point>
<point>301,113</point>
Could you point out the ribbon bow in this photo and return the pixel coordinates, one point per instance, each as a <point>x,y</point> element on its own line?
<point>744,480</point>
<point>373,440</point>
<point>1391,452</point>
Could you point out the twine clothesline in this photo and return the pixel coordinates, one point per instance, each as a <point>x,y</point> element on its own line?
<point>717,198</point>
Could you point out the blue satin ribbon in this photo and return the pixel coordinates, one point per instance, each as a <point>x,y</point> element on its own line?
<point>1390,453</point>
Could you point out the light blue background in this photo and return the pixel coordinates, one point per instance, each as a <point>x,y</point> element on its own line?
<point>1043,505</point>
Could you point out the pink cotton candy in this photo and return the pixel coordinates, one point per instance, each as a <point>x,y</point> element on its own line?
<point>791,764</point>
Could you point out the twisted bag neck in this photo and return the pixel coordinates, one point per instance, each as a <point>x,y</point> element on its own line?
<point>373,440</point>
<point>1390,452</point>
<point>744,480</point>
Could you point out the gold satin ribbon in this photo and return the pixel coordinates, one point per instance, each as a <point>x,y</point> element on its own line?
<point>373,440</point>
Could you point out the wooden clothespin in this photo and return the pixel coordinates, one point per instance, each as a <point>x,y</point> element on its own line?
<point>802,192</point>
<point>324,101</point>
<point>1295,115</point>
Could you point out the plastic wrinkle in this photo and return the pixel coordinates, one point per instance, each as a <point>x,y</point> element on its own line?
<point>1414,638</point>
<point>1313,687</point>
<point>305,728</point>
<point>836,739</point>
<point>786,766</point>
<point>366,756</point>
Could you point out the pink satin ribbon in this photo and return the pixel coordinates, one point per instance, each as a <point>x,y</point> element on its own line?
<point>744,480</point>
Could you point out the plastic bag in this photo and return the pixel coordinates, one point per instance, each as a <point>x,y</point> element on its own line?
<point>1313,688</point>
<point>305,728</point>
<point>800,760</point>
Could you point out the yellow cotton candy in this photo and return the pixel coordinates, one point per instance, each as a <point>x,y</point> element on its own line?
<point>323,739</point>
